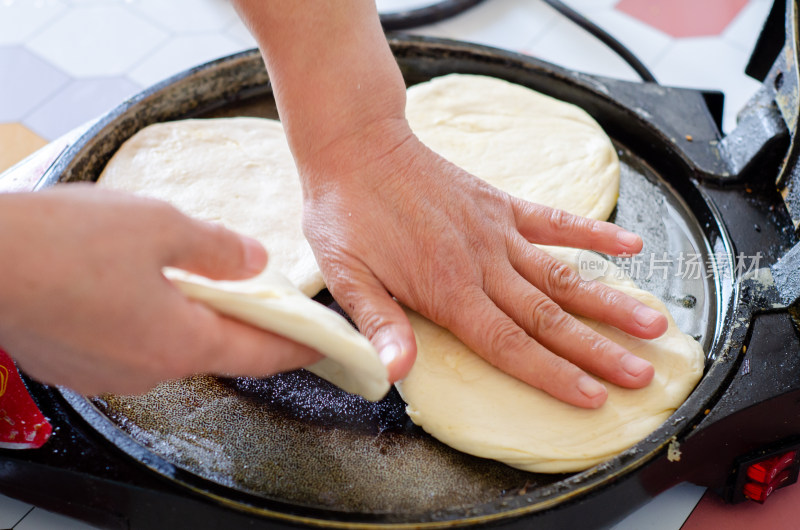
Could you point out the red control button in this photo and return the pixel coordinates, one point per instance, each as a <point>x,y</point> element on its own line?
<point>766,471</point>
<point>759,492</point>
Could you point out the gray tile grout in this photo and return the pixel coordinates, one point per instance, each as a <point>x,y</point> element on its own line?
<point>23,517</point>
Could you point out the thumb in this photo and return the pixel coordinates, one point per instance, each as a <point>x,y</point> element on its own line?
<point>213,251</point>
<point>380,318</point>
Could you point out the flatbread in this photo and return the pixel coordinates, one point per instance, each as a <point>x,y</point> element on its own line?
<point>271,302</point>
<point>235,171</point>
<point>472,406</point>
<point>525,143</point>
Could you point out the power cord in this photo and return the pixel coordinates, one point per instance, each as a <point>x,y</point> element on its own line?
<point>604,37</point>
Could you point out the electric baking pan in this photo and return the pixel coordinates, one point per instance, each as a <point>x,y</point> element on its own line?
<point>292,450</point>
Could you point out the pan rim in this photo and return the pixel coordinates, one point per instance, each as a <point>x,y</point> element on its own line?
<point>724,365</point>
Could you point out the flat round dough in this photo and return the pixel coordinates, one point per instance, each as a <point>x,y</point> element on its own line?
<point>235,171</point>
<point>472,406</point>
<point>271,302</point>
<point>525,143</point>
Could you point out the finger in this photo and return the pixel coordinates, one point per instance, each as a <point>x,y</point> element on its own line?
<point>379,317</point>
<point>564,335</point>
<point>230,347</point>
<point>548,226</point>
<point>248,351</point>
<point>484,328</point>
<point>593,299</point>
<point>213,251</point>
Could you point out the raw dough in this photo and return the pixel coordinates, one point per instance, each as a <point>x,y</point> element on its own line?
<point>239,172</point>
<point>523,142</point>
<point>271,302</point>
<point>468,404</point>
<point>550,152</point>
<point>235,171</point>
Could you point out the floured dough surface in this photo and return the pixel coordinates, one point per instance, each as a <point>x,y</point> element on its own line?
<point>525,143</point>
<point>235,171</point>
<point>472,406</point>
<point>271,302</point>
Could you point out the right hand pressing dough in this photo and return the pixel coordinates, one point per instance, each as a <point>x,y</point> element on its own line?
<point>549,152</point>
<point>472,406</point>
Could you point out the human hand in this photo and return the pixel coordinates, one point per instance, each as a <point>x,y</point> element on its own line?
<point>396,220</point>
<point>84,303</point>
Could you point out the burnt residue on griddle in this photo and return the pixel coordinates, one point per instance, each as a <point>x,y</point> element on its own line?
<point>303,396</point>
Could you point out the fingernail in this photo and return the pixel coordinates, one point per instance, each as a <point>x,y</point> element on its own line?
<point>255,257</point>
<point>634,365</point>
<point>389,353</point>
<point>628,239</point>
<point>645,316</point>
<point>589,387</point>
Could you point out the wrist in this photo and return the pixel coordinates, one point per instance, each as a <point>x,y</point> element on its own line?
<point>380,145</point>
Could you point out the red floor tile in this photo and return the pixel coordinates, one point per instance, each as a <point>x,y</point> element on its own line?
<point>684,18</point>
<point>778,512</point>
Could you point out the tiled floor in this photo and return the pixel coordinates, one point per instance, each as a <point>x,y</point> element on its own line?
<point>64,62</point>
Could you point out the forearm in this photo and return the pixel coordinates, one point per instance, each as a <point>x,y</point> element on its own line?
<point>332,71</point>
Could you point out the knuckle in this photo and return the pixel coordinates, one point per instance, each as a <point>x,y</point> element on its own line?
<point>608,297</point>
<point>553,374</point>
<point>505,338</point>
<point>561,280</point>
<point>595,230</point>
<point>372,323</point>
<point>561,220</point>
<point>558,369</point>
<point>597,347</point>
<point>547,316</point>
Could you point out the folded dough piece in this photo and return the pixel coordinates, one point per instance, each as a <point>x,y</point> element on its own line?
<point>235,171</point>
<point>526,143</point>
<point>269,301</point>
<point>472,406</point>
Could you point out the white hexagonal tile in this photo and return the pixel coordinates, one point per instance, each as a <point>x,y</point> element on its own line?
<point>646,43</point>
<point>187,15</point>
<point>20,20</point>
<point>11,511</point>
<point>78,102</point>
<point>746,27</point>
<point>506,24</point>
<point>393,6</point>
<point>180,53</point>
<point>239,32</point>
<point>709,63</point>
<point>40,519</point>
<point>97,40</point>
<point>587,6</point>
<point>32,81</point>
<point>569,46</point>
